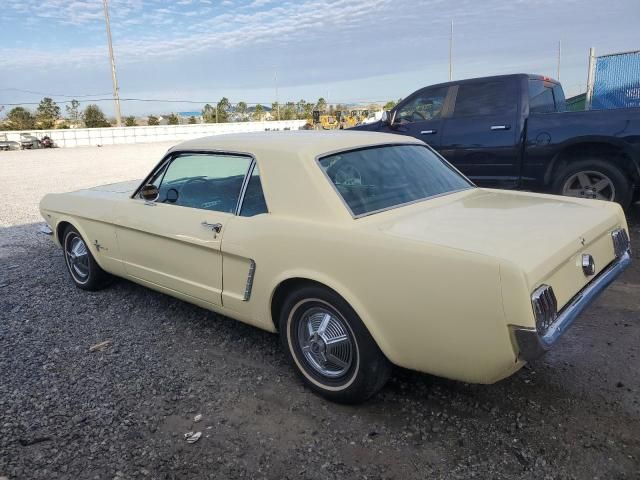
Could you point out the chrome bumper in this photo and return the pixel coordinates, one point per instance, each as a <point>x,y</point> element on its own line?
<point>532,345</point>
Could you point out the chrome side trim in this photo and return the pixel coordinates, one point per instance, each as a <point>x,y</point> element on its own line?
<point>243,189</point>
<point>249,286</point>
<point>532,345</point>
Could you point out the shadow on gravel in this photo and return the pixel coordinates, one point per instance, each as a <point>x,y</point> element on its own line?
<point>67,412</point>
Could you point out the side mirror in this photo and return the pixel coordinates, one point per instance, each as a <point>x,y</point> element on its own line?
<point>389,117</point>
<point>149,193</point>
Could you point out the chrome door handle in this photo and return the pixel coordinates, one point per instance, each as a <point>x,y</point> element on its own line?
<point>428,132</point>
<point>500,127</point>
<point>216,227</point>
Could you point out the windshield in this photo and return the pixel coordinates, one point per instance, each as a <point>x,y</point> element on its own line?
<point>379,178</point>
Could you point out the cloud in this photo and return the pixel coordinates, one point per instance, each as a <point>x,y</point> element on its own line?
<point>186,44</point>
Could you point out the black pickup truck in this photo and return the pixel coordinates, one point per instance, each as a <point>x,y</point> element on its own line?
<point>512,131</point>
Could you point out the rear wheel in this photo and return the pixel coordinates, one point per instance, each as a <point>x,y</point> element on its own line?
<point>595,179</point>
<point>330,347</point>
<point>82,267</point>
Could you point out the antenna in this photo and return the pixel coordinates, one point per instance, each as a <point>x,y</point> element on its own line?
<point>451,52</point>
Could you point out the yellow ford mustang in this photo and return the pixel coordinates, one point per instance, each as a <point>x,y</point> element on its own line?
<point>361,249</point>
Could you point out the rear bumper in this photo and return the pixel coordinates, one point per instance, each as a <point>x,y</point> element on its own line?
<point>532,345</point>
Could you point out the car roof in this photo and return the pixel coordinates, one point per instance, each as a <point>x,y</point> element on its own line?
<point>293,184</point>
<point>302,143</point>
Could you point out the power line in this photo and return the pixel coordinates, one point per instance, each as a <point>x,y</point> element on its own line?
<point>199,102</point>
<point>53,94</point>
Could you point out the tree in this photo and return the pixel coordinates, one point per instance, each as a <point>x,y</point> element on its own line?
<point>289,111</point>
<point>275,110</point>
<point>19,118</point>
<point>223,110</point>
<point>241,108</point>
<point>130,121</point>
<point>47,113</point>
<point>308,111</point>
<point>94,118</point>
<point>173,119</point>
<point>192,120</point>
<point>321,105</point>
<point>259,113</point>
<point>389,105</point>
<point>300,109</point>
<point>208,114</point>
<point>152,120</point>
<point>73,112</point>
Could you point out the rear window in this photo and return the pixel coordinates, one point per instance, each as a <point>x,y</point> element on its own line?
<point>487,98</point>
<point>545,97</point>
<point>379,178</point>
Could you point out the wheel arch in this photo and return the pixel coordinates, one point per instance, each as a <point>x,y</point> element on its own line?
<point>606,148</point>
<point>287,285</point>
<point>63,223</point>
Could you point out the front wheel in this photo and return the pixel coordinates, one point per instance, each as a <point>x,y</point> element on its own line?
<point>595,179</point>
<point>330,347</point>
<point>83,268</point>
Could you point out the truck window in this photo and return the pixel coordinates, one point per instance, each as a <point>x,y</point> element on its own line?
<point>558,95</point>
<point>486,98</point>
<point>426,105</point>
<point>541,97</point>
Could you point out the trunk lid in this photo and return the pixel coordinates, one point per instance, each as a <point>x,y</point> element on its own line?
<point>543,235</point>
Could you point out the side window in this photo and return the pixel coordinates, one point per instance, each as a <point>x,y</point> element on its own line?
<point>253,202</point>
<point>426,105</point>
<point>540,97</point>
<point>558,94</point>
<point>487,98</point>
<point>205,181</point>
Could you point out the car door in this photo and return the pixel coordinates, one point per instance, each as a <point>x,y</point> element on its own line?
<point>420,115</point>
<point>481,136</point>
<point>175,241</point>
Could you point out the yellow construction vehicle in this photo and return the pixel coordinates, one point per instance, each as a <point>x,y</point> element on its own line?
<point>321,120</point>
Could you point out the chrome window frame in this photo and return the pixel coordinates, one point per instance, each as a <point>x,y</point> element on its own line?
<point>400,205</point>
<point>172,155</point>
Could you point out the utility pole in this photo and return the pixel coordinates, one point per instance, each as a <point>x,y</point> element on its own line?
<point>590,73</point>
<point>275,80</point>
<point>559,57</point>
<point>451,52</point>
<point>116,90</point>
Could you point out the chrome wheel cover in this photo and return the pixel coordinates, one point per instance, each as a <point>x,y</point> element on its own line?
<point>77,257</point>
<point>326,342</point>
<point>589,184</point>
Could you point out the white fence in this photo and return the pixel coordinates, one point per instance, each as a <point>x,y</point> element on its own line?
<point>77,137</point>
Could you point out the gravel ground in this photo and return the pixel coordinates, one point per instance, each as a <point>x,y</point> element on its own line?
<point>67,412</point>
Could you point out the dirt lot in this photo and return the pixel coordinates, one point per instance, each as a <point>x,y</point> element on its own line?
<point>66,412</point>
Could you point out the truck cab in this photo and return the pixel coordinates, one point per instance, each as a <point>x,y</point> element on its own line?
<point>512,131</point>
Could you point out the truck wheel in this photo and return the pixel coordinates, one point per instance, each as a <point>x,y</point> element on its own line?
<point>330,347</point>
<point>594,178</point>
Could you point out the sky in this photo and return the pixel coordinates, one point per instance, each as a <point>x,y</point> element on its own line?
<point>344,50</point>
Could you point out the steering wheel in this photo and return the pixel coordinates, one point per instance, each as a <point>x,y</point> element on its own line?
<point>417,113</point>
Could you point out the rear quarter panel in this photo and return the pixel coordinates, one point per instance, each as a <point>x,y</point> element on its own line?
<point>429,308</point>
